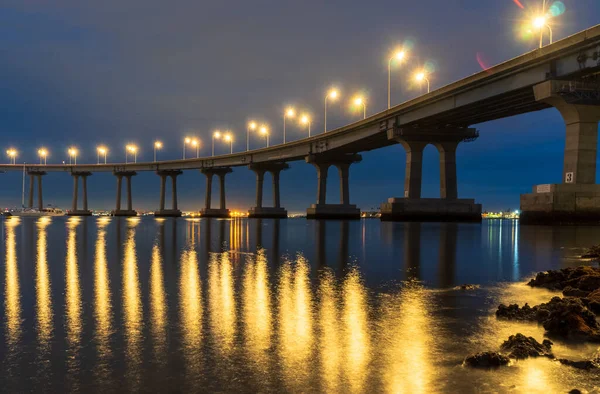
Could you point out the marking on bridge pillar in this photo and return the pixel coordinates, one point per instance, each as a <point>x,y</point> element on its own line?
<point>406,194</point>
<point>569,177</point>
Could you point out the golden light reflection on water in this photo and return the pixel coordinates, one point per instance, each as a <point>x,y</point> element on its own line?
<point>132,305</point>
<point>329,324</point>
<point>406,342</point>
<point>257,308</point>
<point>190,305</point>
<point>12,287</point>
<point>356,336</point>
<point>73,291</point>
<point>295,321</point>
<point>102,295</point>
<point>222,301</point>
<point>42,287</point>
<point>158,305</point>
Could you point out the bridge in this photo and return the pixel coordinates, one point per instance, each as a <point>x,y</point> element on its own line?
<point>563,75</point>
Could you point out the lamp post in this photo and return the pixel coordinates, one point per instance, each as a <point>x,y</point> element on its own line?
<point>43,153</point>
<point>264,131</point>
<point>398,56</point>
<point>186,141</point>
<point>12,154</point>
<point>251,126</point>
<point>157,145</point>
<point>305,119</point>
<point>333,95</point>
<point>360,101</point>
<point>216,135</point>
<point>289,113</point>
<point>101,151</point>
<point>196,144</point>
<point>539,23</point>
<point>420,77</point>
<point>72,155</point>
<point>229,138</point>
<point>133,150</point>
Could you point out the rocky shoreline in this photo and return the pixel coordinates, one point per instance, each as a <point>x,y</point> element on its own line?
<point>571,318</point>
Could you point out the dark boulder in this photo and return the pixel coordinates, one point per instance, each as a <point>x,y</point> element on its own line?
<point>584,364</point>
<point>573,292</point>
<point>521,347</point>
<point>486,360</point>
<point>514,312</point>
<point>467,287</point>
<point>570,319</point>
<point>592,301</point>
<point>559,279</point>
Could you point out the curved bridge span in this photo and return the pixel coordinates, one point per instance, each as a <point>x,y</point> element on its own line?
<point>562,75</point>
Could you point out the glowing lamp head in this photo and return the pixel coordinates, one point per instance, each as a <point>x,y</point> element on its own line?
<point>358,101</point>
<point>158,144</point>
<point>195,142</point>
<point>217,134</point>
<point>539,22</point>
<point>11,152</point>
<point>132,148</point>
<point>332,94</point>
<point>228,137</point>
<point>252,125</point>
<point>400,55</point>
<point>304,119</point>
<point>290,113</point>
<point>42,152</point>
<point>102,150</point>
<point>264,130</point>
<point>72,152</point>
<point>420,76</point>
<point>187,140</point>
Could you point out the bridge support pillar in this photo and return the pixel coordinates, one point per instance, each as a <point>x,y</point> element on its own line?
<point>174,211</point>
<point>447,208</point>
<point>75,211</point>
<point>222,211</point>
<point>129,211</point>
<point>322,210</point>
<point>259,211</point>
<point>36,177</point>
<point>577,198</point>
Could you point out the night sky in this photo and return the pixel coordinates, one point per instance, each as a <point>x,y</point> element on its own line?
<point>112,72</point>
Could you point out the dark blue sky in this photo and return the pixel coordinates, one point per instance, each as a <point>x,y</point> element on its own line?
<point>112,72</point>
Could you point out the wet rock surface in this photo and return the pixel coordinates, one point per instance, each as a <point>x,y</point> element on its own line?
<point>486,360</point>
<point>585,279</point>
<point>521,347</point>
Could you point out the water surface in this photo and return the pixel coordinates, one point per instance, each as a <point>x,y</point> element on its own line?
<point>246,305</point>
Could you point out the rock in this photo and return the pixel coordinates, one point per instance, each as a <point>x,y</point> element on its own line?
<point>467,287</point>
<point>486,360</point>
<point>575,391</point>
<point>573,292</point>
<point>584,364</point>
<point>592,301</point>
<point>592,253</point>
<point>521,347</point>
<point>570,319</point>
<point>559,279</point>
<point>513,312</point>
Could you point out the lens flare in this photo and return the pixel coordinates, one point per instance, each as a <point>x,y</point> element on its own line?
<point>481,60</point>
<point>557,8</point>
<point>518,3</point>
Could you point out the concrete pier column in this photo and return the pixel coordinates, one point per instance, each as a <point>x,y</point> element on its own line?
<point>40,193</point>
<point>260,211</point>
<point>448,183</point>
<point>222,191</point>
<point>276,193</point>
<point>414,168</point>
<point>174,192</point>
<point>208,196</point>
<point>343,170</point>
<point>119,186</point>
<point>75,192</point>
<point>163,181</point>
<point>85,195</point>
<point>322,169</point>
<point>260,177</point>
<point>30,202</point>
<point>129,198</point>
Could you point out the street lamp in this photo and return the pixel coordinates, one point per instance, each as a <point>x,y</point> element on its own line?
<point>157,145</point>
<point>289,113</point>
<point>333,95</point>
<point>398,56</point>
<point>229,138</point>
<point>72,155</point>
<point>216,135</point>
<point>133,150</point>
<point>43,153</point>
<point>420,77</point>
<point>196,144</point>
<point>186,141</point>
<point>305,119</point>
<point>12,154</point>
<point>251,126</point>
<point>264,131</point>
<point>101,150</point>
<point>539,23</point>
<point>360,101</point>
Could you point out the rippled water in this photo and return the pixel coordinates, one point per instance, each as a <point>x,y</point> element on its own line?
<point>107,305</point>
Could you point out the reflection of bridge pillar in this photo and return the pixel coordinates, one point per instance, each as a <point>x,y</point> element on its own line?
<point>577,198</point>
<point>75,211</point>
<point>412,250</point>
<point>222,212</point>
<point>268,212</point>
<point>36,177</point>
<point>174,211</point>
<point>129,211</point>
<point>343,250</point>
<point>448,207</point>
<point>447,254</point>
<point>322,210</point>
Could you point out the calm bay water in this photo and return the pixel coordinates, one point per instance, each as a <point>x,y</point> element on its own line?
<point>107,304</point>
